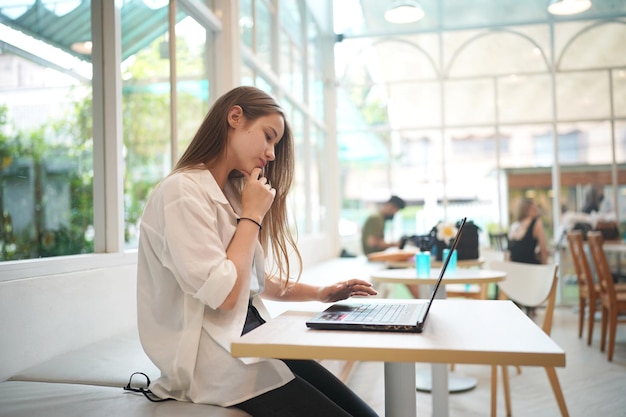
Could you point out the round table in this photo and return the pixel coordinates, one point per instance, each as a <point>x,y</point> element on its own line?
<point>408,276</point>
<point>467,276</point>
<point>461,263</point>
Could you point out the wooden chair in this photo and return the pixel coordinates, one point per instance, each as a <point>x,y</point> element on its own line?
<point>613,302</point>
<point>529,285</point>
<point>588,291</point>
<point>499,241</point>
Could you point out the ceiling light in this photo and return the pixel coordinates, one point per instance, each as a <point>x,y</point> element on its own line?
<point>404,12</point>
<point>567,7</point>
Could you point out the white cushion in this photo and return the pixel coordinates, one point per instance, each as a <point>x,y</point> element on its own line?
<point>108,363</point>
<point>41,399</point>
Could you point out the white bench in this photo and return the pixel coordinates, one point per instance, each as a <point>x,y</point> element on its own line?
<point>89,382</point>
<point>70,344</point>
<point>39,399</point>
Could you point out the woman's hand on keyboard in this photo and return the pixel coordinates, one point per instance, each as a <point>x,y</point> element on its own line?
<point>345,289</point>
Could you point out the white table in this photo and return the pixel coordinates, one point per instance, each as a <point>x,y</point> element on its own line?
<point>485,332</point>
<point>409,276</point>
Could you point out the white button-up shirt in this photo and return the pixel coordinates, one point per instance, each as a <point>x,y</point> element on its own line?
<point>183,275</point>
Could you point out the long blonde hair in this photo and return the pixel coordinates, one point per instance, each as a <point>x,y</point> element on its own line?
<point>523,208</point>
<point>209,144</point>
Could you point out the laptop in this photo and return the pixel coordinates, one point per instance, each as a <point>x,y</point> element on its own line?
<point>387,317</point>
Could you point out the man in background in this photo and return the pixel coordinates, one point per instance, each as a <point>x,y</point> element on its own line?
<point>593,199</point>
<point>373,231</point>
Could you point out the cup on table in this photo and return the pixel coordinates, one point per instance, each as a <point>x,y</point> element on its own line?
<point>452,263</point>
<point>422,264</point>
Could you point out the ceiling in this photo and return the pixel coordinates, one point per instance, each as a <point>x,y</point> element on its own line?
<point>61,23</point>
<point>365,17</point>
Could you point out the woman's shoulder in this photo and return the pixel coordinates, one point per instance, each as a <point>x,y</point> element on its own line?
<point>191,177</point>
<point>195,184</point>
<point>518,229</point>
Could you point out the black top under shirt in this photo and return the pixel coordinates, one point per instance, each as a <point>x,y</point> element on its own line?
<point>523,250</point>
<point>253,319</point>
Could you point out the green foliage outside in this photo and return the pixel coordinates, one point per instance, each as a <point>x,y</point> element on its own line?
<point>26,157</point>
<point>33,156</point>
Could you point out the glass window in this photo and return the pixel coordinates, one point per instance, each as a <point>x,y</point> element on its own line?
<point>414,104</point>
<point>146,120</point>
<point>319,179</point>
<point>315,71</point>
<point>620,143</point>
<point>582,95</point>
<point>524,98</point>
<point>46,147</point>
<point>471,183</point>
<point>522,149</point>
<point>587,45</point>
<point>291,21</point>
<point>298,193</point>
<point>292,67</point>
<point>495,53</point>
<point>383,61</point>
<point>585,143</point>
<point>192,75</point>
<point>619,92</point>
<point>246,23</point>
<point>263,25</point>
<point>469,102</point>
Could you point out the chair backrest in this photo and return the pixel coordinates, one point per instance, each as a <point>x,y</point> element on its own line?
<point>581,264</point>
<point>499,241</point>
<point>530,285</point>
<point>605,277</point>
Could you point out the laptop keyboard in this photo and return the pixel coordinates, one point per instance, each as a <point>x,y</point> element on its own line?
<point>376,313</point>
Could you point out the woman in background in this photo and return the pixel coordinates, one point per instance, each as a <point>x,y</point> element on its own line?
<point>527,236</point>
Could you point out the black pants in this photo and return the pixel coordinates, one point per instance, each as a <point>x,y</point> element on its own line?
<point>314,392</point>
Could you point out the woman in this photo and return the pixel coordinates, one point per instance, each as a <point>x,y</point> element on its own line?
<point>204,234</point>
<point>527,237</point>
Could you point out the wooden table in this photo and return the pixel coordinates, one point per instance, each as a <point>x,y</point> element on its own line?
<point>485,332</point>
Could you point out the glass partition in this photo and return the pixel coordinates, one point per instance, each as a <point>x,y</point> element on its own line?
<point>493,102</point>
<point>147,105</point>
<point>46,145</point>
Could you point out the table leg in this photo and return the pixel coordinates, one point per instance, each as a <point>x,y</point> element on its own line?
<point>400,398</point>
<point>440,390</point>
<point>438,383</point>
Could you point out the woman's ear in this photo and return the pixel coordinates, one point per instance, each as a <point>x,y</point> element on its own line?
<point>235,116</point>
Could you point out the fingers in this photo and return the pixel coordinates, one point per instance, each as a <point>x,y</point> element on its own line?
<point>257,174</point>
<point>358,287</point>
<point>351,283</point>
<point>257,195</point>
